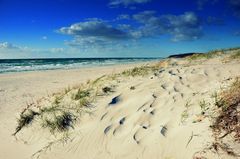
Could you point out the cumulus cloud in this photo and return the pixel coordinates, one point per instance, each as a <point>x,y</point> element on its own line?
<point>95,33</point>
<point>126,3</point>
<point>7,45</point>
<point>182,27</point>
<point>96,28</point>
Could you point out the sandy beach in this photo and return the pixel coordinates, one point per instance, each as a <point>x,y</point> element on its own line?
<point>19,89</point>
<point>161,110</point>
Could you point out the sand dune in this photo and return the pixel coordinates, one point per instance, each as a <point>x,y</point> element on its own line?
<point>159,115</point>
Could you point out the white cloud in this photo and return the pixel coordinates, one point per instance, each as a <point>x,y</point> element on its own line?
<point>95,33</point>
<point>7,45</point>
<point>182,27</point>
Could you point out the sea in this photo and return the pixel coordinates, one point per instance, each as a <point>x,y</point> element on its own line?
<point>23,65</point>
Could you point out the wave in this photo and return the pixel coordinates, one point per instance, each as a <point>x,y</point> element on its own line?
<point>22,65</point>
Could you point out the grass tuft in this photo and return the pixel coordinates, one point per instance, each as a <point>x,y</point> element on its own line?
<point>81,94</point>
<point>138,71</point>
<point>25,119</point>
<point>60,123</point>
<point>107,89</point>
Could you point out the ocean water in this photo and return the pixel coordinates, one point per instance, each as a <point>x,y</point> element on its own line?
<point>21,65</point>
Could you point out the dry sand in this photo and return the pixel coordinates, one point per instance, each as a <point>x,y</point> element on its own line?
<point>19,89</point>
<point>159,119</point>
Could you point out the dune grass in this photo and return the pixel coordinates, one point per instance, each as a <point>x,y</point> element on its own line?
<point>208,55</point>
<point>25,119</point>
<point>228,102</point>
<point>214,53</point>
<point>235,55</point>
<point>61,122</point>
<point>139,71</point>
<point>81,93</point>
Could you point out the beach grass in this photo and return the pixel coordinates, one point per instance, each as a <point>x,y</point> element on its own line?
<point>228,102</point>
<point>25,119</point>
<point>235,55</point>
<point>61,122</point>
<point>215,53</point>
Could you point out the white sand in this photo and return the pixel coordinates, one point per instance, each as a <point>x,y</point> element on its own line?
<point>19,89</point>
<point>160,119</point>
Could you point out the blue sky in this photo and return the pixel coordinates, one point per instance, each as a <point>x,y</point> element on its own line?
<point>116,28</point>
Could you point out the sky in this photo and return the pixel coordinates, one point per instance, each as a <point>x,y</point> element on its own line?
<point>116,28</point>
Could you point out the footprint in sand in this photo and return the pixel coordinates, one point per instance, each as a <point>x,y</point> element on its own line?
<point>104,115</point>
<point>164,130</point>
<point>121,122</point>
<point>107,129</point>
<point>114,101</point>
<point>152,112</point>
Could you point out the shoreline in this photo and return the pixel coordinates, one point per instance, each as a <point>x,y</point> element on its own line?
<point>68,66</point>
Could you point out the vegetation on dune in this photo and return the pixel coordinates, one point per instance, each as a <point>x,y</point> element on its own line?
<point>25,119</point>
<point>226,116</point>
<point>208,55</point>
<point>81,94</point>
<point>107,89</point>
<point>215,53</point>
<point>185,113</point>
<point>235,55</point>
<point>61,122</point>
<point>204,106</point>
<point>139,71</point>
<point>228,103</point>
